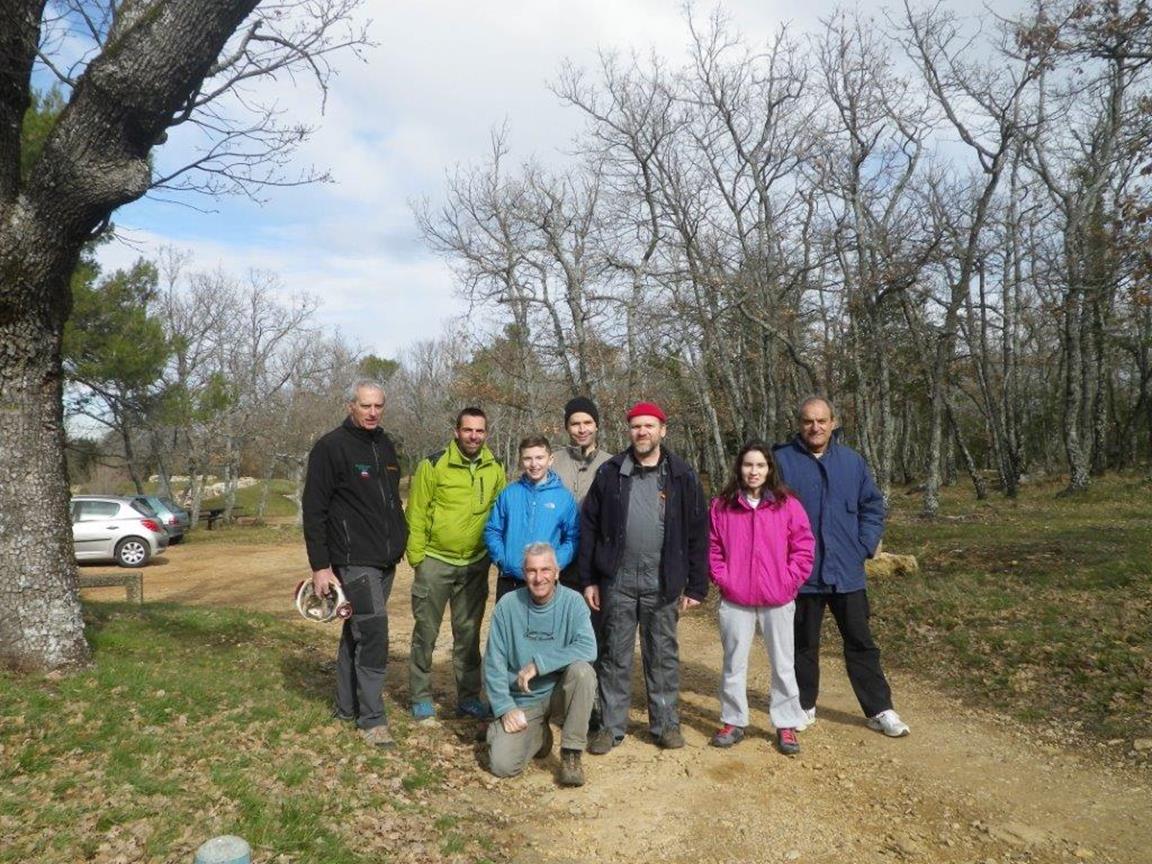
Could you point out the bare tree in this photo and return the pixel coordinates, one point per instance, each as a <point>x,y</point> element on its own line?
<point>151,67</point>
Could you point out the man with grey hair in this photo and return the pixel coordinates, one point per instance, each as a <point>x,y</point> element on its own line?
<point>846,512</point>
<point>538,669</point>
<point>355,534</point>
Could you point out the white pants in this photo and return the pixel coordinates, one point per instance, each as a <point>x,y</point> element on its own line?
<point>737,632</point>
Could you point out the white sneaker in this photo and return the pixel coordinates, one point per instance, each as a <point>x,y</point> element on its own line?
<point>889,723</point>
<point>810,718</point>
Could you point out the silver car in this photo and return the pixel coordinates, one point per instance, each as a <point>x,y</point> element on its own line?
<point>109,528</point>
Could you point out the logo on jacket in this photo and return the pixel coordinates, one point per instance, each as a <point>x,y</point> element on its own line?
<point>362,470</point>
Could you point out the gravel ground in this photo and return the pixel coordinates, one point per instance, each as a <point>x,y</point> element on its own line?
<point>963,787</point>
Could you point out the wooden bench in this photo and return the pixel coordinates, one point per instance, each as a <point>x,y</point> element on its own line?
<point>133,584</point>
<point>215,514</point>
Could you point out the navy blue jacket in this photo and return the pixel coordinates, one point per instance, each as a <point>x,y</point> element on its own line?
<point>844,507</point>
<point>603,518</point>
<point>526,513</point>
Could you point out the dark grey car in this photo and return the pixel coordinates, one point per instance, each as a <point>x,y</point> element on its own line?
<point>175,518</point>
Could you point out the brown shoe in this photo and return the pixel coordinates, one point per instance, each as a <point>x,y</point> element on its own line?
<point>571,771</point>
<point>378,736</point>
<point>671,738</point>
<point>546,745</point>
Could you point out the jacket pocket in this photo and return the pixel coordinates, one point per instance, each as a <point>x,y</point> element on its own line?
<point>479,504</point>
<point>852,529</point>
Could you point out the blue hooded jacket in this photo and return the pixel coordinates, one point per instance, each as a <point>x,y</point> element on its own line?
<point>529,513</point>
<point>844,507</point>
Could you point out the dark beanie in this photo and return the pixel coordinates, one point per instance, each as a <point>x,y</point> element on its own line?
<point>581,404</point>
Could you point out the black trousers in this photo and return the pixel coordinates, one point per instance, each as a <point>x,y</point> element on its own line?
<point>506,585</point>
<point>861,656</point>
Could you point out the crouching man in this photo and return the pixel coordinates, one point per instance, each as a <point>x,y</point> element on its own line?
<point>538,670</point>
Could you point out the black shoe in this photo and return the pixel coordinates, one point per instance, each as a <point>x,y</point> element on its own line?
<point>671,738</point>
<point>602,742</point>
<point>337,714</point>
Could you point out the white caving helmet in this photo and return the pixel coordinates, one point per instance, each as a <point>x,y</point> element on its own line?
<point>327,608</point>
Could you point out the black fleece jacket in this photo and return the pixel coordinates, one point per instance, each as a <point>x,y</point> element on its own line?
<point>352,511</point>
<point>603,523</point>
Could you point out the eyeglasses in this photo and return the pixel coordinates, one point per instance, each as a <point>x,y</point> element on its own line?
<point>540,631</point>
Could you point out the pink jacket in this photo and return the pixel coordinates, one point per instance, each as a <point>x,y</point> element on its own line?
<point>759,557</point>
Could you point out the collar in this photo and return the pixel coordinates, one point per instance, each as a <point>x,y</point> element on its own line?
<point>577,455</point>
<point>629,466</point>
<point>456,456</point>
<point>360,432</point>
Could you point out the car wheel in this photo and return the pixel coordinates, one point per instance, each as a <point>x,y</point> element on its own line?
<point>133,552</point>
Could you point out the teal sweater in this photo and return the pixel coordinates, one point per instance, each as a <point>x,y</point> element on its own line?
<point>552,636</point>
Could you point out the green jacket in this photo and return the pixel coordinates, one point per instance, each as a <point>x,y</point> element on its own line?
<point>448,504</point>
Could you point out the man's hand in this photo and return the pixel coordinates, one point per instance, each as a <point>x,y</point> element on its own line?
<point>687,603</point>
<point>514,721</point>
<point>323,580</point>
<point>524,677</point>
<point>592,597</point>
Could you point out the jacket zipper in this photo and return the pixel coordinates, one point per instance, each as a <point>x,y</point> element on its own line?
<point>383,499</point>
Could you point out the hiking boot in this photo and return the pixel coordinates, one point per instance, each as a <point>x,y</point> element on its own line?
<point>727,735</point>
<point>424,713</point>
<point>809,718</point>
<point>671,738</point>
<point>378,736</point>
<point>337,714</point>
<point>571,771</point>
<point>889,723</point>
<point>475,708</point>
<point>786,742</point>
<point>546,746</point>
<point>602,741</point>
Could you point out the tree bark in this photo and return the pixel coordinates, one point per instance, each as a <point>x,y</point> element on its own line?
<point>42,627</point>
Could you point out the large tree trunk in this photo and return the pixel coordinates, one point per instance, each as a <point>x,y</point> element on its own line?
<point>95,159</point>
<point>42,627</point>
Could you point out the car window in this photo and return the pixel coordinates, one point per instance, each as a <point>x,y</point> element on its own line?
<point>141,506</point>
<point>90,510</point>
<point>75,508</point>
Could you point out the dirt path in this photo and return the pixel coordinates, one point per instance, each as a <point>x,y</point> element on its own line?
<point>962,788</point>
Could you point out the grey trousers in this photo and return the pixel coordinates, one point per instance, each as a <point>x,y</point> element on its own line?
<point>569,706</point>
<point>737,633</point>
<point>627,606</point>
<point>465,588</point>
<point>363,653</point>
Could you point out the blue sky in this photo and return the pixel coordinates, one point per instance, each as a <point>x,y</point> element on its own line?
<point>425,99</point>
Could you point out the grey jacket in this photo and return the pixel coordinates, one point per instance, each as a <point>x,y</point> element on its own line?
<point>575,470</point>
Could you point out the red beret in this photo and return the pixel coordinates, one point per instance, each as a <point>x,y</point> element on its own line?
<point>647,409</point>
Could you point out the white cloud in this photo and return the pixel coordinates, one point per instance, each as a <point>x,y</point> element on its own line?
<point>442,76</point>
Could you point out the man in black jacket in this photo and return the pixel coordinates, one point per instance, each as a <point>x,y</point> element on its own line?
<point>643,560</point>
<point>355,533</point>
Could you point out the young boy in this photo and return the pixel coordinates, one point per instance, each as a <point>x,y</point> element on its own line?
<point>537,508</point>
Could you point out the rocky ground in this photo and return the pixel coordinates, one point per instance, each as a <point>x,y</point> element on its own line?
<point>964,787</point>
